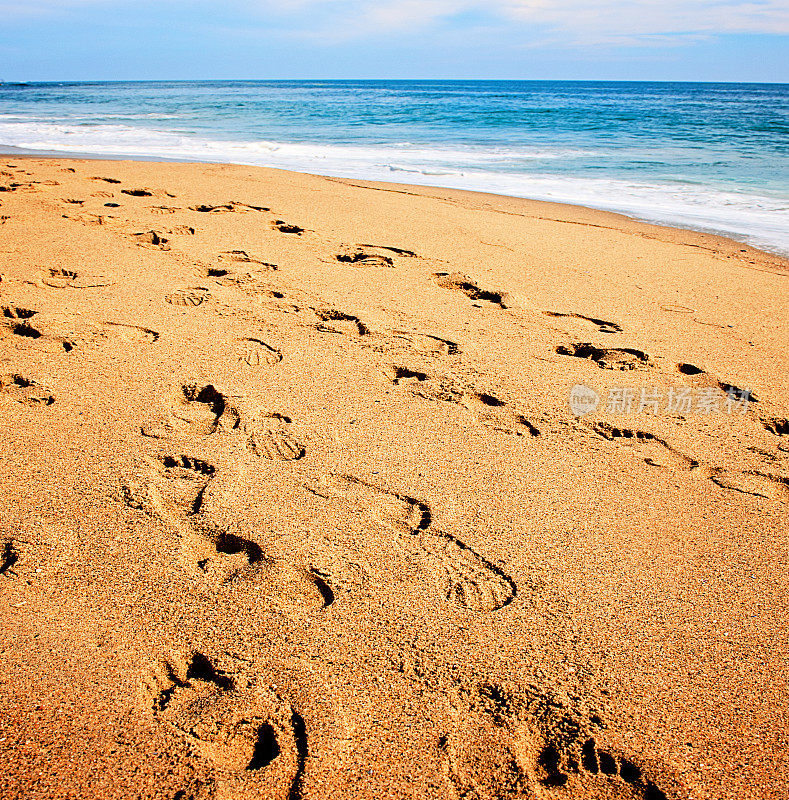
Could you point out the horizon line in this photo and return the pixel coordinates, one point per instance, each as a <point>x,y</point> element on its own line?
<point>385,80</point>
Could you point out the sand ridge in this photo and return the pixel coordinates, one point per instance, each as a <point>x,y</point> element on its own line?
<point>293,503</point>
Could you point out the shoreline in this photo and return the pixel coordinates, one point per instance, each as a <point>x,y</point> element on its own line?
<point>416,188</point>
<point>325,488</point>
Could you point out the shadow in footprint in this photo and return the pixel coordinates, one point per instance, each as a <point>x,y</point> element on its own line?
<point>255,742</point>
<point>17,312</point>
<point>231,544</point>
<point>603,325</point>
<point>465,578</point>
<point>25,390</point>
<point>335,321</point>
<point>622,358</point>
<point>9,556</point>
<point>776,425</point>
<point>654,450</point>
<point>535,741</point>
<point>700,377</point>
<point>462,283</point>
<point>284,227</point>
<point>753,482</point>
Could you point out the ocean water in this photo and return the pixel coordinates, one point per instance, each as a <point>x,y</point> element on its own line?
<point>712,157</point>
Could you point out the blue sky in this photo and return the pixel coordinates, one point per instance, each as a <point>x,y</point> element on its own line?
<point>721,40</point>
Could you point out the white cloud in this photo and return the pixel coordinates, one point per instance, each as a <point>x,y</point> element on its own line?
<point>579,21</point>
<point>658,21</point>
<point>644,17</point>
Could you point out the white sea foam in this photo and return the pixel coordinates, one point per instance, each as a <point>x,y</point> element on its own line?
<point>759,219</point>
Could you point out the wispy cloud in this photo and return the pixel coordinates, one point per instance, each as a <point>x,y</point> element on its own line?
<point>652,17</point>
<point>579,21</point>
<point>584,22</point>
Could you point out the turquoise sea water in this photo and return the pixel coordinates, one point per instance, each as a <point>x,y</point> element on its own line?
<point>712,157</point>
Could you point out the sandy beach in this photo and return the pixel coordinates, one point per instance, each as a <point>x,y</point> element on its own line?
<point>298,499</point>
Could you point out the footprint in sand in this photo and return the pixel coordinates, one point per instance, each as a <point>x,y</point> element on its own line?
<point>196,501</point>
<point>57,278</point>
<point>254,740</point>
<point>257,353</point>
<point>489,410</point>
<point>151,239</point>
<point>48,329</point>
<point>203,410</point>
<point>462,283</point>
<point>622,358</point>
<point>24,390</point>
<point>9,557</point>
<point>269,436</point>
<point>250,281</point>
<point>366,256</point>
<point>498,415</point>
<point>172,488</point>
<point>463,576</point>
<point>776,425</point>
<point>334,321</point>
<point>184,493</point>
<point>427,344</point>
<point>60,278</point>
<point>657,452</point>
<point>131,333</point>
<point>603,325</point>
<point>137,192</point>
<point>701,378</point>
<point>17,312</point>
<point>242,257</point>
<point>651,448</point>
<point>753,482</point>
<point>534,745</point>
<point>398,251</point>
<point>89,219</point>
<point>284,227</point>
<point>209,209</point>
<point>231,272</point>
<point>230,206</point>
<point>188,297</point>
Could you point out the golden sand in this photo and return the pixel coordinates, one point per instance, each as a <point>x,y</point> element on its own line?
<point>293,504</point>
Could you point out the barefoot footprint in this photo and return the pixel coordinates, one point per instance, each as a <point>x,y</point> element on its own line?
<point>195,501</point>
<point>465,578</point>
<point>181,491</point>
<point>533,744</point>
<point>255,741</point>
